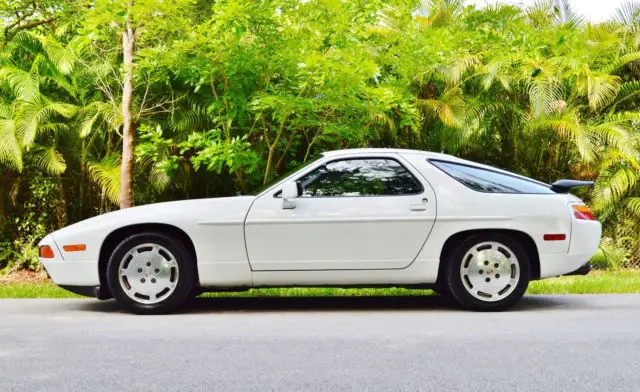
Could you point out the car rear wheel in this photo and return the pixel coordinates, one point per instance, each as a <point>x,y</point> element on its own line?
<point>488,272</point>
<point>151,273</point>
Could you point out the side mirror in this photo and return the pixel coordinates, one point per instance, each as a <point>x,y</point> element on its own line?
<point>290,190</point>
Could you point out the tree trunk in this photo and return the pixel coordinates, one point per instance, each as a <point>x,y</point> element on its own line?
<point>128,129</point>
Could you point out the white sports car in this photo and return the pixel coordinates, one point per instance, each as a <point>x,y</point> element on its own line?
<point>359,218</point>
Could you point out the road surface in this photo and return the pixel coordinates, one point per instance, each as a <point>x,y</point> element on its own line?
<point>548,343</point>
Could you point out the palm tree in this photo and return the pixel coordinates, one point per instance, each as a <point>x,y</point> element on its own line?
<point>48,133</point>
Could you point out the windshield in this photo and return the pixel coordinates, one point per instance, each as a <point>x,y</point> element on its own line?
<point>284,175</point>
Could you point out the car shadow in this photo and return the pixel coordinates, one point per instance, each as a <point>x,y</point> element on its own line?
<point>308,304</point>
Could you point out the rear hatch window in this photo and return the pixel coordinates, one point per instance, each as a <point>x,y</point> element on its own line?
<point>490,181</point>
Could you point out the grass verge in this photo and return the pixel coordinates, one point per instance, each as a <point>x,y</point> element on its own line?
<point>597,282</point>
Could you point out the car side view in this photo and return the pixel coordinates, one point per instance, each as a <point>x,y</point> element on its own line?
<point>360,217</point>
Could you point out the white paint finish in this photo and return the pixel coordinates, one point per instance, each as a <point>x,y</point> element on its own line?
<point>345,233</point>
<point>72,273</point>
<point>556,265</point>
<point>416,273</point>
<point>64,272</point>
<point>380,239</point>
<point>214,243</point>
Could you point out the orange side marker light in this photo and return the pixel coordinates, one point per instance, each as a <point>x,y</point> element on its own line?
<point>74,248</point>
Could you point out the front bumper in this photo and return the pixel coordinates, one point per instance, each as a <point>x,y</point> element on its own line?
<point>72,273</point>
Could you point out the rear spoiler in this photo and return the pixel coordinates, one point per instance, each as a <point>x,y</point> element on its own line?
<point>564,186</point>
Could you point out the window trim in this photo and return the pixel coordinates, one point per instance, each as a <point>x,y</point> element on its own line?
<point>504,173</point>
<point>359,158</point>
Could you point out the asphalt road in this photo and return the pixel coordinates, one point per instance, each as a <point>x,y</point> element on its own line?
<point>548,343</point>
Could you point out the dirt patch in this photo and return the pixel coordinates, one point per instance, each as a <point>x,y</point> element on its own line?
<point>24,277</point>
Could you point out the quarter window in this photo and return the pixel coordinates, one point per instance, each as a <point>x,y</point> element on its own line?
<point>360,177</point>
<point>484,180</point>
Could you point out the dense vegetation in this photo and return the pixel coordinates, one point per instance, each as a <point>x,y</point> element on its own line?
<point>108,103</point>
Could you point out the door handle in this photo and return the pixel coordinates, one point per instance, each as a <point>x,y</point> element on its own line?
<point>419,207</point>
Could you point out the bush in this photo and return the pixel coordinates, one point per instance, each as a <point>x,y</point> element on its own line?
<point>37,219</point>
<point>610,255</point>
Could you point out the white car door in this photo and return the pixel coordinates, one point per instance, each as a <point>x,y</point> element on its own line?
<point>355,212</point>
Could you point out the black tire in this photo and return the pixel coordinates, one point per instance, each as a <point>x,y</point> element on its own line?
<point>454,279</point>
<point>185,281</point>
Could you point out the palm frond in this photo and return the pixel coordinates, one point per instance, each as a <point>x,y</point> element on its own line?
<point>617,135</point>
<point>565,14</point>
<point>10,151</point>
<point>194,118</point>
<point>613,185</point>
<point>33,114</point>
<point>621,62</point>
<point>25,85</point>
<point>544,93</point>
<point>392,19</point>
<point>541,12</point>
<point>568,127</point>
<point>106,173</point>
<point>6,111</point>
<point>86,123</point>
<point>611,157</point>
<point>628,13</point>
<point>493,72</point>
<point>26,40</point>
<point>383,119</point>
<point>600,88</point>
<point>159,178</point>
<point>633,205</point>
<point>628,90</point>
<point>48,159</point>
<point>453,73</point>
<point>450,108</point>
<point>622,117</point>
<point>62,58</point>
<point>438,13</point>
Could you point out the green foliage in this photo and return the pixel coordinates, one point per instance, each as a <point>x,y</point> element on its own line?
<point>232,94</point>
<point>31,226</point>
<point>610,255</point>
<point>216,154</point>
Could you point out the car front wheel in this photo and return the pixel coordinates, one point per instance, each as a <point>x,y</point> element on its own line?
<point>488,272</point>
<point>151,273</point>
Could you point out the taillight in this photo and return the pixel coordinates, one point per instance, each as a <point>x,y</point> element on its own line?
<point>45,252</point>
<point>583,212</point>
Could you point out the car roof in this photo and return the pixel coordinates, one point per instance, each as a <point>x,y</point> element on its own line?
<point>427,154</point>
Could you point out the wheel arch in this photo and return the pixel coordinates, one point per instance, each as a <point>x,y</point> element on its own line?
<point>112,240</point>
<point>523,238</point>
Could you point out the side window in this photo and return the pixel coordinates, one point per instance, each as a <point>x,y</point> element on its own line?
<point>490,181</point>
<point>360,177</point>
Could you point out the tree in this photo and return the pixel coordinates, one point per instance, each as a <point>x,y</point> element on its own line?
<point>139,23</point>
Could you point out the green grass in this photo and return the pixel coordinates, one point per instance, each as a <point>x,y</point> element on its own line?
<point>34,290</point>
<point>626,281</point>
<point>597,282</point>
